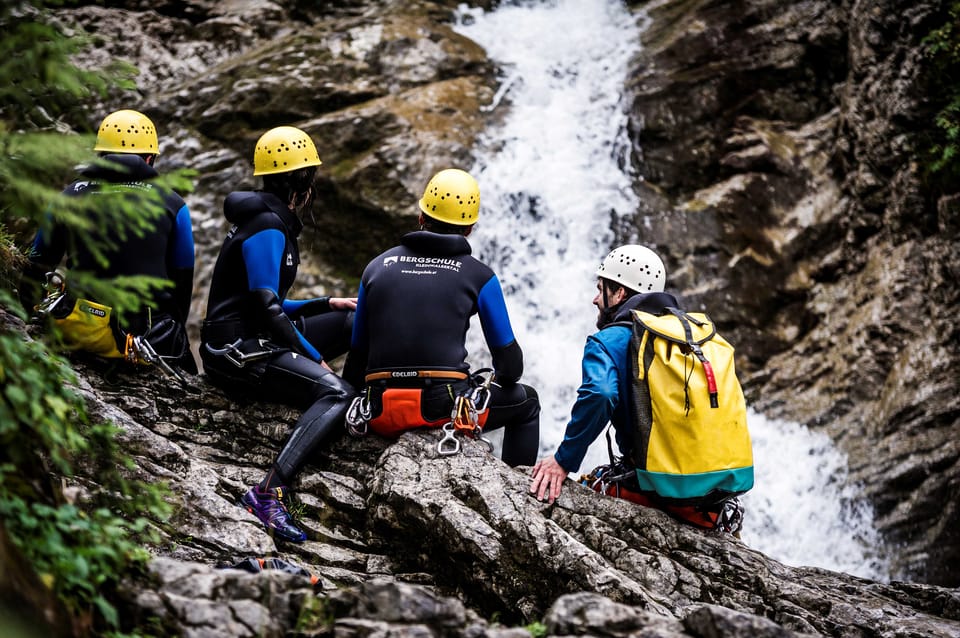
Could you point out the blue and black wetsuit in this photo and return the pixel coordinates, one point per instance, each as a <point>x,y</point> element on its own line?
<point>413,313</point>
<point>248,312</point>
<point>165,250</point>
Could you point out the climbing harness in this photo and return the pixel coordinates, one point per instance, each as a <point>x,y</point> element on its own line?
<point>720,515</point>
<point>465,417</point>
<point>232,352</point>
<point>92,324</point>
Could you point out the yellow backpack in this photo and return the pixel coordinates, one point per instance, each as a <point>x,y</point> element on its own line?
<point>691,444</point>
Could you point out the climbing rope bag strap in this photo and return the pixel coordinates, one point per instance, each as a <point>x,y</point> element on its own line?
<point>690,437</point>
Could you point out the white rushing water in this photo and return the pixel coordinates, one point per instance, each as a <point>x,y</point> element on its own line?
<point>553,176</point>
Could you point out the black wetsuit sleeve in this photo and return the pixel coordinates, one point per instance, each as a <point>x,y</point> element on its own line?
<point>278,324</point>
<point>508,362</point>
<point>296,308</point>
<point>182,291</point>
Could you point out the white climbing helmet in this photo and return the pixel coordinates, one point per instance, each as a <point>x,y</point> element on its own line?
<point>635,267</point>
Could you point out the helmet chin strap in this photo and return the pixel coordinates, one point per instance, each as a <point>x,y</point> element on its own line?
<point>607,313</point>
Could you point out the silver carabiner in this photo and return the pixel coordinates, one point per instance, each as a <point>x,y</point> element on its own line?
<point>358,416</point>
<point>143,351</point>
<point>449,444</point>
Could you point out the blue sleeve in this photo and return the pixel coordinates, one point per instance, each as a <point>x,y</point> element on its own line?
<point>263,254</point>
<point>493,315</point>
<point>183,249</point>
<point>597,397</point>
<point>292,305</point>
<point>307,346</point>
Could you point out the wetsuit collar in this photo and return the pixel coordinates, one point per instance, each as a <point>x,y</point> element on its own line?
<point>118,168</point>
<point>442,245</point>
<point>239,206</point>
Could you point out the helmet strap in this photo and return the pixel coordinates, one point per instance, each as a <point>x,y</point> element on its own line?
<point>608,312</point>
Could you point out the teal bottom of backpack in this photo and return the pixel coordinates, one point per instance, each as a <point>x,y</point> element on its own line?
<point>692,486</point>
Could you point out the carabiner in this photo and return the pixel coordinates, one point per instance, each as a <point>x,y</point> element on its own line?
<point>486,442</point>
<point>448,445</point>
<point>358,416</point>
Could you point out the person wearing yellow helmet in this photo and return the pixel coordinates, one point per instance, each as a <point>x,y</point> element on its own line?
<point>257,340</point>
<point>413,312</point>
<point>127,145</point>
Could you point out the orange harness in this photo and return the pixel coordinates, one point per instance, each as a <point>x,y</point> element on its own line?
<point>402,411</point>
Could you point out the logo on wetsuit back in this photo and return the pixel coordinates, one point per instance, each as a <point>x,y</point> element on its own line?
<point>423,265</point>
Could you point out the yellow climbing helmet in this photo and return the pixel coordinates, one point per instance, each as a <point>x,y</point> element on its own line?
<point>283,149</point>
<point>452,197</point>
<point>127,131</point>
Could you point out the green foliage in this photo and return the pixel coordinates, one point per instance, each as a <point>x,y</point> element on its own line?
<point>315,616</point>
<point>81,547</point>
<point>537,629</point>
<point>39,84</point>
<point>41,94</point>
<point>942,152</point>
<point>11,259</point>
<point>80,550</point>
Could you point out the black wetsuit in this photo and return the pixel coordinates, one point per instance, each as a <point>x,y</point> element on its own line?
<point>247,306</point>
<point>164,250</point>
<point>413,313</point>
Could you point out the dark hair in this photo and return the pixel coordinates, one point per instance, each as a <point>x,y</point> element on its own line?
<point>437,226</point>
<point>289,184</point>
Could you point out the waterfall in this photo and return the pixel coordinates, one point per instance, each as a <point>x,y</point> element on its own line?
<point>553,176</point>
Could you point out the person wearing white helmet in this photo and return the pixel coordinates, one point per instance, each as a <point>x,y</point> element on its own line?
<point>631,277</point>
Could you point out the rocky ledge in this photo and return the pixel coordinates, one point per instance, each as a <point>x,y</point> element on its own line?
<point>404,541</point>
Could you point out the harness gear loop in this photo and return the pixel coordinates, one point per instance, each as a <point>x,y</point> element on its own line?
<point>467,409</point>
<point>448,445</point>
<point>358,415</point>
<point>232,352</point>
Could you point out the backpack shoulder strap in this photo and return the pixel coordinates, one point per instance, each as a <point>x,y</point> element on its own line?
<point>678,326</point>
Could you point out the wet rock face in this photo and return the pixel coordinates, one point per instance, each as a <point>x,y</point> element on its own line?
<point>774,140</point>
<point>405,541</point>
<point>778,144</point>
<point>388,92</point>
